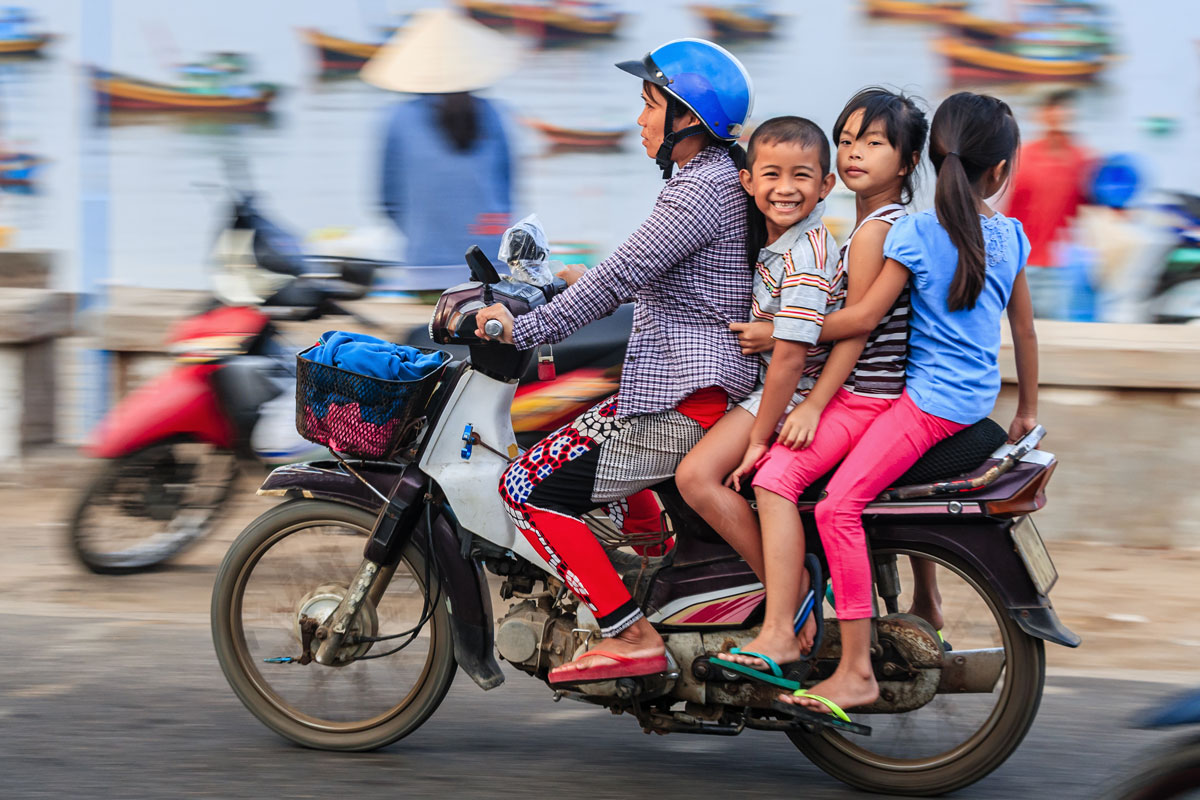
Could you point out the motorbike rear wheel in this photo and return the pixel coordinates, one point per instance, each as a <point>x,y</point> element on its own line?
<point>279,568</point>
<point>145,508</point>
<point>1172,775</point>
<point>954,740</point>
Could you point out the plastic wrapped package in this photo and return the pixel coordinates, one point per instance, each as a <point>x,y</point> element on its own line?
<point>525,249</point>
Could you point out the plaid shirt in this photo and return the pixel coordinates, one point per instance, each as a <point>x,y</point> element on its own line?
<point>685,268</point>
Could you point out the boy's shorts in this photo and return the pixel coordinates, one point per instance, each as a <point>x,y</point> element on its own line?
<point>754,399</point>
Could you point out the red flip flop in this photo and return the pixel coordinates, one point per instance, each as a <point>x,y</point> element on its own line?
<point>625,667</point>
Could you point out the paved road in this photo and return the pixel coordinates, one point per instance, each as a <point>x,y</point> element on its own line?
<point>110,707</point>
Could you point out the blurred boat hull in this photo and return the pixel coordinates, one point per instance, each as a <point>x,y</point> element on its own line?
<point>336,54</point>
<point>116,91</point>
<point>553,22</point>
<point>969,59</point>
<point>728,23</point>
<point>19,169</point>
<point>913,9</point>
<point>576,137</point>
<point>25,45</point>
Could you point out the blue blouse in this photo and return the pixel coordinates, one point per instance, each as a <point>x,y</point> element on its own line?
<point>444,200</point>
<point>952,371</point>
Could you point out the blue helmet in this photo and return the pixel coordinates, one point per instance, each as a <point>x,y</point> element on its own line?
<point>708,80</point>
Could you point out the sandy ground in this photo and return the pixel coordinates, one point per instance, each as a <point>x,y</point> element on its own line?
<point>1134,607</point>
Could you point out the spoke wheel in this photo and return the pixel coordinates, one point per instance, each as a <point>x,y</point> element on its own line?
<point>954,740</point>
<point>293,562</point>
<point>143,509</point>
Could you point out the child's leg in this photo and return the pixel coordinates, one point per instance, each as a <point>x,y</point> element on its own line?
<point>893,443</point>
<point>700,476</point>
<point>926,599</point>
<point>780,480</point>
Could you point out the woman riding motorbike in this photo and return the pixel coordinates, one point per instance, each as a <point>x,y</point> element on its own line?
<point>685,268</point>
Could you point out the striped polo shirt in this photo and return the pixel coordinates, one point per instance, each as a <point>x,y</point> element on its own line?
<point>880,369</point>
<point>797,281</point>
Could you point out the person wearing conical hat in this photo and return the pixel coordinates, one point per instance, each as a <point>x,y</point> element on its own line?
<point>687,270</point>
<point>446,178</point>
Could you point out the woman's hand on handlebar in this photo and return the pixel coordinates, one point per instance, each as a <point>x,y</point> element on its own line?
<point>571,273</point>
<point>754,337</point>
<point>497,312</point>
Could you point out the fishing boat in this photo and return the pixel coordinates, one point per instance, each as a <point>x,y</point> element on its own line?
<point>338,55</point>
<point>927,10</point>
<point>15,37</point>
<point>117,91</point>
<point>553,20</point>
<point>971,59</point>
<point>593,138</point>
<point>741,21</point>
<point>19,169</point>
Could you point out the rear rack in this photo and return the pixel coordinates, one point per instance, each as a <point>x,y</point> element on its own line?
<point>1027,444</point>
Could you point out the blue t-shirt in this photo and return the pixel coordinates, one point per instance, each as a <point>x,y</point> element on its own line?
<point>952,370</point>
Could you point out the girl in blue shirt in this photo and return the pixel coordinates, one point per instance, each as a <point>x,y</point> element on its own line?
<point>965,264</point>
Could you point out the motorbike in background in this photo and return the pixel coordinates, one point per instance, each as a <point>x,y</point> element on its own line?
<point>172,448</point>
<point>1175,772</point>
<point>1175,297</point>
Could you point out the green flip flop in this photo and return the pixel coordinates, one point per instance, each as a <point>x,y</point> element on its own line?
<point>836,718</point>
<point>772,675</point>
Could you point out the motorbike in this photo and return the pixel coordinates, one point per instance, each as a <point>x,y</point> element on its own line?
<point>171,450</point>
<point>341,616</point>
<point>1175,296</point>
<point>1175,772</point>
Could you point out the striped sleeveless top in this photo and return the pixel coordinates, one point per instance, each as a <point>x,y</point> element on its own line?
<point>880,369</point>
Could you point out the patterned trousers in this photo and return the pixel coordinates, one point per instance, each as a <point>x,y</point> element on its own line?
<point>595,460</point>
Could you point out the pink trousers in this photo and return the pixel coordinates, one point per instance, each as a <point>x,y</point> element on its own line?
<point>881,449</point>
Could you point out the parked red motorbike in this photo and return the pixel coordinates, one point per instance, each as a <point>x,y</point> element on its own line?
<point>172,448</point>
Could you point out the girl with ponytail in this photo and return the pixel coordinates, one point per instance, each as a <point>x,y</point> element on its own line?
<point>964,265</point>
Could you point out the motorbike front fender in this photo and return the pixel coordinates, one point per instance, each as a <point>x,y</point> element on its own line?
<point>179,403</point>
<point>987,546</point>
<point>463,581</point>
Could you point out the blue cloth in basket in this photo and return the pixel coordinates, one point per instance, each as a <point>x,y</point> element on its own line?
<point>376,358</point>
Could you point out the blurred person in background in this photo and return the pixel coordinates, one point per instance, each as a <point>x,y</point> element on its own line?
<point>446,179</point>
<point>1047,191</point>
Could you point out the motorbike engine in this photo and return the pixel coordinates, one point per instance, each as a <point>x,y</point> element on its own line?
<point>536,638</point>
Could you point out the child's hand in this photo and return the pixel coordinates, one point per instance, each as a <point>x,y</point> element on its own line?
<point>754,337</point>
<point>754,452</point>
<point>800,427</point>
<point>1021,425</point>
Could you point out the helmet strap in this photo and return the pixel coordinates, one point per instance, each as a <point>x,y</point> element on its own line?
<point>672,137</point>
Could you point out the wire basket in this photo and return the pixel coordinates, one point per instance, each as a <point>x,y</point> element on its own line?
<point>358,414</point>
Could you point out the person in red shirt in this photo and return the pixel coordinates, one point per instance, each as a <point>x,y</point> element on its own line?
<point>1047,190</point>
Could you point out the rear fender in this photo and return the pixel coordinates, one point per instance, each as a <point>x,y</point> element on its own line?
<point>467,593</point>
<point>179,403</point>
<point>988,547</point>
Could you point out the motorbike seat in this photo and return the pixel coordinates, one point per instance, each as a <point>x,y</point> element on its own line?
<point>952,457</point>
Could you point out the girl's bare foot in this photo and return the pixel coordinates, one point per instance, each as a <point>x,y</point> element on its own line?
<point>928,609</point>
<point>778,644</point>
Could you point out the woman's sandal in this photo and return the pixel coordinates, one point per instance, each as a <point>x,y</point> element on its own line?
<point>790,675</point>
<point>836,718</point>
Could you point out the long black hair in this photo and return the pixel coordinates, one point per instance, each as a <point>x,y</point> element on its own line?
<point>970,135</point>
<point>459,119</point>
<point>778,130</point>
<point>904,125</point>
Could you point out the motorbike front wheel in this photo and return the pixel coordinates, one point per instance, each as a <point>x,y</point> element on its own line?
<point>295,561</point>
<point>955,739</point>
<point>143,509</point>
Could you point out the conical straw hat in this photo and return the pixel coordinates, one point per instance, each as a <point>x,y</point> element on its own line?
<point>438,52</point>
